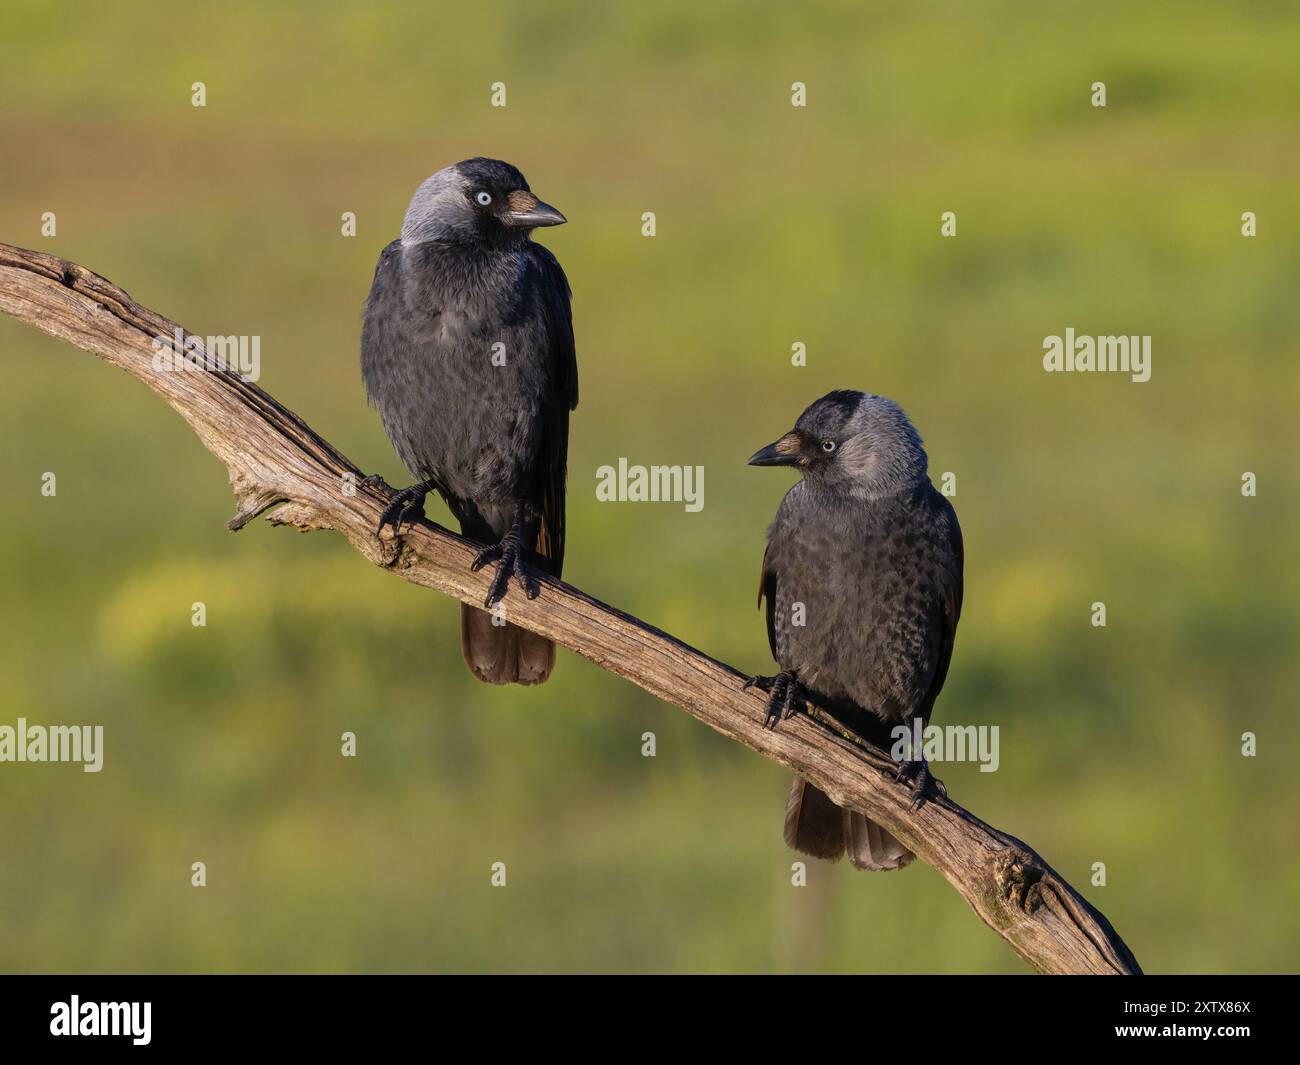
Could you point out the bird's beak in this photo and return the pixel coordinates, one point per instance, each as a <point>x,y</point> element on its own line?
<point>528,212</point>
<point>785,452</point>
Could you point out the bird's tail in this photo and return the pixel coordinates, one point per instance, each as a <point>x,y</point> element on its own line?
<point>816,826</point>
<point>503,653</point>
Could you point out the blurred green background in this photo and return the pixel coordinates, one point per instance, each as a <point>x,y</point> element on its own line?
<point>775,225</point>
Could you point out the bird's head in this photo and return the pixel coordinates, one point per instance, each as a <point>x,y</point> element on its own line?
<point>477,201</point>
<point>851,443</point>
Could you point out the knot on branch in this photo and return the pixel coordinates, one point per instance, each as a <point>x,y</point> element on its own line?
<point>1019,879</point>
<point>251,502</point>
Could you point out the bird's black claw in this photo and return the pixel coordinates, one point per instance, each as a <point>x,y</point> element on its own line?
<point>786,697</point>
<point>775,704</point>
<point>917,773</point>
<point>498,588</point>
<point>796,700</point>
<point>402,509</point>
<point>488,554</point>
<point>510,562</point>
<point>526,580</point>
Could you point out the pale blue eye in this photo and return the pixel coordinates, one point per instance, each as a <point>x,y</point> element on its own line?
<point>828,446</point>
<point>483,198</point>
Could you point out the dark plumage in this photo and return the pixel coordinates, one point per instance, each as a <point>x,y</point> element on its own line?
<point>874,555</point>
<point>467,352</point>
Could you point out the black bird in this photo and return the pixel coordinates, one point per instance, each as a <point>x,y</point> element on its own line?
<point>863,582</point>
<point>467,352</point>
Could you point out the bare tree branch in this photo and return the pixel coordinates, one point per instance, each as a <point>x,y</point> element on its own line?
<point>276,461</point>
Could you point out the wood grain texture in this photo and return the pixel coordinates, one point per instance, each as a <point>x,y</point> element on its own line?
<point>278,464</point>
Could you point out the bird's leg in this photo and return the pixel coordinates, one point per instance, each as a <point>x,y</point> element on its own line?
<point>511,551</point>
<point>405,506</point>
<point>916,771</point>
<point>786,696</point>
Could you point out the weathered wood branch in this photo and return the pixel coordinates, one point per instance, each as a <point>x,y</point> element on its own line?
<point>277,463</point>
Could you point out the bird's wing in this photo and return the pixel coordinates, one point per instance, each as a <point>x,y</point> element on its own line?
<point>952,583</point>
<point>556,298</point>
<point>385,350</point>
<point>767,591</point>
<point>379,320</point>
<point>563,363</point>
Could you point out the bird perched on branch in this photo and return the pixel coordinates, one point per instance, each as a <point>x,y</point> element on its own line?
<point>467,351</point>
<point>863,583</point>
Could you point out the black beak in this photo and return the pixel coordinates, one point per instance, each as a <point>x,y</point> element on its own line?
<point>540,214</point>
<point>784,452</point>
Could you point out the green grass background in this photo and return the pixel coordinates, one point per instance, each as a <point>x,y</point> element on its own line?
<point>775,225</point>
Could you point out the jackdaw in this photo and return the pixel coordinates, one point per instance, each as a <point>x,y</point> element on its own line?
<point>863,583</point>
<point>467,352</point>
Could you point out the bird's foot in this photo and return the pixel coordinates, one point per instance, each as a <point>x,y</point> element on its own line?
<point>406,506</point>
<point>917,773</point>
<point>510,558</point>
<point>786,696</point>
